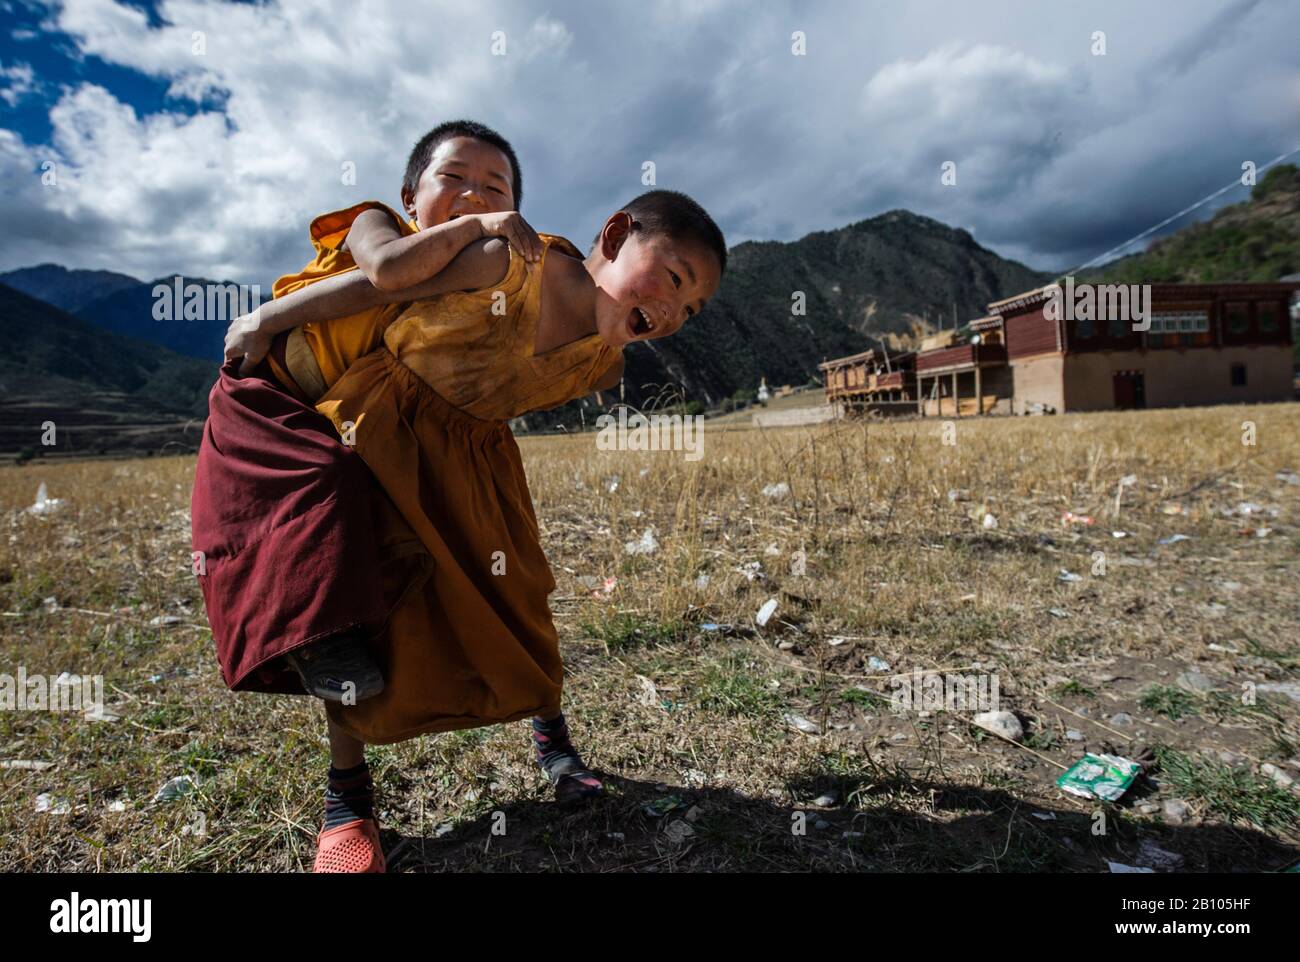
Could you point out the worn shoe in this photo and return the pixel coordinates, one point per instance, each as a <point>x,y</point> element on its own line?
<point>559,760</point>
<point>337,668</point>
<point>351,848</point>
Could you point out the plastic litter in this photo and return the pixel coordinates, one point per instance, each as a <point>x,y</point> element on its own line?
<point>101,713</point>
<point>663,806</point>
<point>647,544</point>
<point>801,724</point>
<point>1106,777</point>
<point>606,588</point>
<point>175,788</point>
<point>44,503</point>
<point>1001,723</point>
<point>1119,868</point>
<point>46,804</point>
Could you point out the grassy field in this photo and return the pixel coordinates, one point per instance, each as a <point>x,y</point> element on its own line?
<point>728,745</point>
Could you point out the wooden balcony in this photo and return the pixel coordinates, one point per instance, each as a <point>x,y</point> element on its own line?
<point>962,357</point>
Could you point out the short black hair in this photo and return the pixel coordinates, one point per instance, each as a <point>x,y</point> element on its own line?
<point>422,153</point>
<point>673,214</point>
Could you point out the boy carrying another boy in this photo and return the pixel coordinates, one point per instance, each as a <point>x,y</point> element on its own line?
<point>265,537</point>
<point>474,644</point>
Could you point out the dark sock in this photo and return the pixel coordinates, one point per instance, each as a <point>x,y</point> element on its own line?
<point>349,796</point>
<point>561,761</point>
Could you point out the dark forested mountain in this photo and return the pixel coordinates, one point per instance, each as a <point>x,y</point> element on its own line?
<point>883,275</point>
<point>44,344</point>
<point>68,290</point>
<point>1256,240</point>
<point>898,273</point>
<point>124,305</point>
<point>887,275</point>
<point>104,392</point>
<point>130,311</point>
<point>781,310</point>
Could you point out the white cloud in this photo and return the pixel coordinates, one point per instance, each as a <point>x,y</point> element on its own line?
<point>1058,153</point>
<point>19,80</point>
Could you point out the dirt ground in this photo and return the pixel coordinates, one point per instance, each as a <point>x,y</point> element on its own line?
<point>730,745</point>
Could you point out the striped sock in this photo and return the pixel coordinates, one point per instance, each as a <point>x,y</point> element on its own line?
<point>562,763</point>
<point>349,796</point>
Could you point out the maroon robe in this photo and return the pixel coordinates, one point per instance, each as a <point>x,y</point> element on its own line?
<point>282,512</point>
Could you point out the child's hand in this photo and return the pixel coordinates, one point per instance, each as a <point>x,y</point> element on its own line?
<point>246,339</point>
<point>518,234</point>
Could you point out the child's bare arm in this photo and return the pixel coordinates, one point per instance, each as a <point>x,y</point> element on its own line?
<point>481,264</point>
<point>393,262</point>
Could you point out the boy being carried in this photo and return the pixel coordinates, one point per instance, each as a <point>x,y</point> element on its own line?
<point>279,506</point>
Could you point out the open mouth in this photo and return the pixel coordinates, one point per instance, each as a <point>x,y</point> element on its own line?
<point>639,323</point>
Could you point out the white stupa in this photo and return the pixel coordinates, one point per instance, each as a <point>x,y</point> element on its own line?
<point>763,392</point>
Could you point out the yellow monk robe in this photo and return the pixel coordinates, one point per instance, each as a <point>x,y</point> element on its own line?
<point>473,643</point>
<point>317,354</point>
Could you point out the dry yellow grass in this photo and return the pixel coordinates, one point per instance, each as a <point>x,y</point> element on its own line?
<point>894,569</point>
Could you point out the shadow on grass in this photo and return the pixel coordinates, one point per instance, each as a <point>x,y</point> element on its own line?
<point>880,824</point>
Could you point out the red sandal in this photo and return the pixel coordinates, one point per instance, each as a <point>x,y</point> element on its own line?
<point>353,847</point>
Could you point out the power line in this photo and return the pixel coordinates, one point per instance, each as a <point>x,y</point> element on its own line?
<point>1186,210</point>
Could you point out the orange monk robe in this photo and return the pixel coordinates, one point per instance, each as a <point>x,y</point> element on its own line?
<point>473,643</point>
<point>317,354</point>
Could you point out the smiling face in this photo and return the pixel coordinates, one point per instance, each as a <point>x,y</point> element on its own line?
<point>647,286</point>
<point>464,176</point>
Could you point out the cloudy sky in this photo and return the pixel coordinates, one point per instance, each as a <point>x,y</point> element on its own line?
<point>171,158</point>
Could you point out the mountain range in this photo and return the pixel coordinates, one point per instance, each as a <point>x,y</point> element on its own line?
<point>896,274</point>
<point>122,305</point>
<point>782,308</point>
<point>101,391</point>
<point>1257,240</point>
